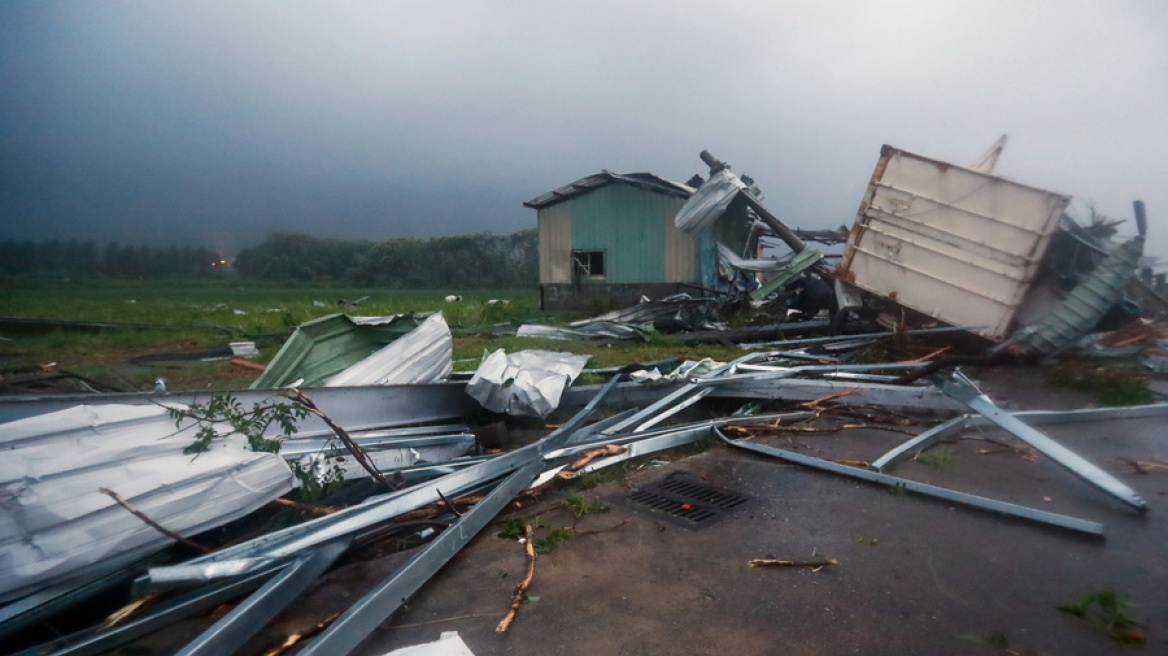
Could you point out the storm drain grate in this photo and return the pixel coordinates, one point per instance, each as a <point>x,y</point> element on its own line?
<point>681,496</point>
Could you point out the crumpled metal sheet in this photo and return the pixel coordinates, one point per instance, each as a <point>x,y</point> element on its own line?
<point>524,383</point>
<point>709,202</point>
<point>678,308</point>
<point>322,349</point>
<point>744,264</point>
<point>56,524</point>
<point>423,355</point>
<point>590,330</point>
<point>801,262</point>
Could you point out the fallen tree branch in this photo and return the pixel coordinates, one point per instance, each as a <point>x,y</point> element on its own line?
<point>1143,467</point>
<point>306,507</point>
<point>521,588</point>
<point>150,522</point>
<point>357,452</point>
<point>295,638</point>
<point>449,505</point>
<point>816,405</point>
<point>775,562</point>
<point>573,470</point>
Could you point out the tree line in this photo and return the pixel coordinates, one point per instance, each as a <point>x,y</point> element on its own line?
<point>79,259</point>
<point>467,261</point>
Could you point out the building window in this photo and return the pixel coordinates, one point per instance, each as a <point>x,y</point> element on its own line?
<point>588,265</point>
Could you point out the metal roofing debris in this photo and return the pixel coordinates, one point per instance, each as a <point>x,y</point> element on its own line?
<point>526,382</point>
<point>245,620</point>
<point>1083,307</point>
<point>591,330</point>
<point>246,566</point>
<point>386,453</point>
<point>340,350</point>
<point>973,500</point>
<point>682,311</point>
<point>1032,418</point>
<point>586,184</point>
<point>56,522</point>
<point>422,355</point>
<point>709,202</point>
<point>356,408</point>
<point>961,388</point>
<point>768,265</point>
<point>803,260</point>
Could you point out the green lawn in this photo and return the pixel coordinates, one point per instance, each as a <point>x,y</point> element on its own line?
<point>262,312</point>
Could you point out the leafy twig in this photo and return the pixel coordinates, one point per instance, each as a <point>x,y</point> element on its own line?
<point>358,453</point>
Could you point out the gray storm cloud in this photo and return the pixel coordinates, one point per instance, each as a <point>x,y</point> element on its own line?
<point>215,123</point>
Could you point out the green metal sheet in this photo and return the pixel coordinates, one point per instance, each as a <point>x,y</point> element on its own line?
<point>1084,306</point>
<point>322,348</point>
<point>628,224</point>
<point>800,263</point>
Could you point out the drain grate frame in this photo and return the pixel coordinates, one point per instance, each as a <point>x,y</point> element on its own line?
<point>684,498</point>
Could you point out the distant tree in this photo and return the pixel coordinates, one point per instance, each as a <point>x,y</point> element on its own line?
<point>465,261</point>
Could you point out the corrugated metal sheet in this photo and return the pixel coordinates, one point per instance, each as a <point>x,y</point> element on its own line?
<point>555,244</point>
<point>327,347</point>
<point>56,523</point>
<point>629,225</point>
<point>1084,306</point>
<point>950,242</point>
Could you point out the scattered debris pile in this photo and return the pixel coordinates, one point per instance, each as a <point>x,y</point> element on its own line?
<point>100,492</point>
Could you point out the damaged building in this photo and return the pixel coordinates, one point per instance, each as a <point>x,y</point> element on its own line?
<point>608,239</point>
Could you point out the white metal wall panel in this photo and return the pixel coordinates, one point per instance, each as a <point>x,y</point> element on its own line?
<point>958,245</point>
<point>555,244</point>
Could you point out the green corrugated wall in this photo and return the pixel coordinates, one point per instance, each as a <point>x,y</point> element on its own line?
<point>630,225</point>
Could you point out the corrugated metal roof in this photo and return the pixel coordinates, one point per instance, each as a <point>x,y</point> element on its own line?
<point>646,181</point>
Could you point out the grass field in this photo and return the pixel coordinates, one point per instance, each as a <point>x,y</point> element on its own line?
<point>201,315</point>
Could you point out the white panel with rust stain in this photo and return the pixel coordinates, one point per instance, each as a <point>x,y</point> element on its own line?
<point>950,242</point>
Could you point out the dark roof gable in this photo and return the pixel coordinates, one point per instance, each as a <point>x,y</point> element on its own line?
<point>646,181</point>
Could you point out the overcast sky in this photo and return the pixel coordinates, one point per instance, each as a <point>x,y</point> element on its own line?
<point>215,123</point>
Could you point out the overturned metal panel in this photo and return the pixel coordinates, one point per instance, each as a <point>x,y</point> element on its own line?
<point>950,242</point>
<point>57,523</point>
<point>423,355</point>
<point>322,348</point>
<point>524,383</point>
